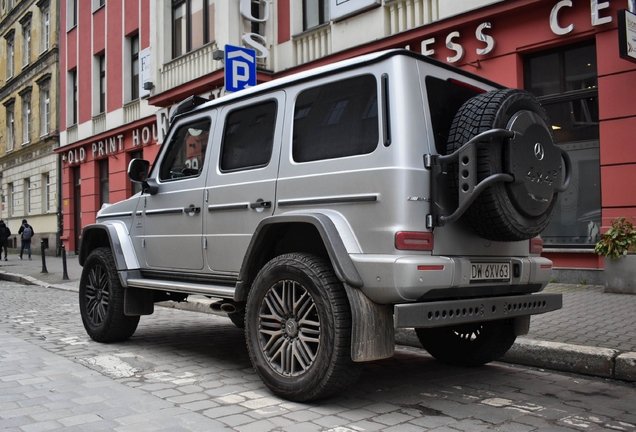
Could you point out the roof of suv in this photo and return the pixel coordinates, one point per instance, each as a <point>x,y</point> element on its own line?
<point>336,67</point>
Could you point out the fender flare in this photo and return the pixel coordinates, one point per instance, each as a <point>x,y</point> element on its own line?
<point>338,254</point>
<point>120,243</point>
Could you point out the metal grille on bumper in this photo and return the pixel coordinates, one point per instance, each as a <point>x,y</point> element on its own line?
<point>451,312</point>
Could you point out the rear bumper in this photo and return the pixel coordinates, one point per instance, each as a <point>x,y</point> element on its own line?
<point>452,312</point>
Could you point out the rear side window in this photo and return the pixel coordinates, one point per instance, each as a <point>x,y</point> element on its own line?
<point>336,120</point>
<point>248,137</point>
<point>445,98</point>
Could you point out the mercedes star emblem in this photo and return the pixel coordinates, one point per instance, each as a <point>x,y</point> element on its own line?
<point>539,152</point>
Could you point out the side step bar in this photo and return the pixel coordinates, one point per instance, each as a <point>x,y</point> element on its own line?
<point>221,291</point>
<point>452,312</point>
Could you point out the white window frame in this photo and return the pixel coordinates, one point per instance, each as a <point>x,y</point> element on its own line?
<point>10,128</point>
<point>27,196</point>
<point>26,120</point>
<point>45,111</point>
<point>46,28</point>
<point>11,199</point>
<point>46,192</point>
<point>26,45</point>
<point>10,57</point>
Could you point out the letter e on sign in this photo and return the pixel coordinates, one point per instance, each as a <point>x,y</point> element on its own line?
<point>240,68</point>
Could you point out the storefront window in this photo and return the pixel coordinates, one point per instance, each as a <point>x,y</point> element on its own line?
<point>565,81</point>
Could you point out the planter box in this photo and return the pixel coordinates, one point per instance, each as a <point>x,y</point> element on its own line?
<point>620,275</point>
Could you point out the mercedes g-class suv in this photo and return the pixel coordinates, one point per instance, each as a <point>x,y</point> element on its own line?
<point>328,208</point>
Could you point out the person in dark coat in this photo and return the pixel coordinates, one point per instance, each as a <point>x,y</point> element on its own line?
<point>5,233</point>
<point>26,231</point>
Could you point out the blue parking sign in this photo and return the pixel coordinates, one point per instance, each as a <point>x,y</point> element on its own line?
<point>240,68</point>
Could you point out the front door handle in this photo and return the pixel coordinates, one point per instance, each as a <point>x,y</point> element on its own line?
<point>261,205</point>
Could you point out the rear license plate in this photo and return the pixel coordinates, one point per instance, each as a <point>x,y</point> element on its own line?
<point>490,272</point>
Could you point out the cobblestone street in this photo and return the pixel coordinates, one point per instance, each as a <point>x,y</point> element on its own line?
<point>190,371</point>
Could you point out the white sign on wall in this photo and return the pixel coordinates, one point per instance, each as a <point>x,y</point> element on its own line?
<point>340,9</point>
<point>627,35</point>
<point>144,71</point>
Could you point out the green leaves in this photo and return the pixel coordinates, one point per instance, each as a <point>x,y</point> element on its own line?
<point>618,240</point>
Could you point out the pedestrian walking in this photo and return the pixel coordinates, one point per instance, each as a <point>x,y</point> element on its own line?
<point>27,232</point>
<point>5,233</point>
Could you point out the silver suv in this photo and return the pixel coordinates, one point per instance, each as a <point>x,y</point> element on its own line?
<point>328,208</point>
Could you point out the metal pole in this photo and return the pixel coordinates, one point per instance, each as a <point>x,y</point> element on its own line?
<point>44,270</point>
<point>64,271</point>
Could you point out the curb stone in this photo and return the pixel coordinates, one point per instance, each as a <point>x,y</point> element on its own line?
<point>601,362</point>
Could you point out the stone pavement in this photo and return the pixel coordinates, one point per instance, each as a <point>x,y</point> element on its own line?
<point>592,334</point>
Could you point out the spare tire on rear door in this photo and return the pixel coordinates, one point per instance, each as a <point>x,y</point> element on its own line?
<point>509,211</point>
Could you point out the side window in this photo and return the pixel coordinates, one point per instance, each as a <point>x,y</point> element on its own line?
<point>248,137</point>
<point>186,152</point>
<point>336,120</point>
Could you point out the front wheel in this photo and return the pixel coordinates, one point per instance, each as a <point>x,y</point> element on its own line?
<point>469,344</point>
<point>101,299</point>
<point>298,328</point>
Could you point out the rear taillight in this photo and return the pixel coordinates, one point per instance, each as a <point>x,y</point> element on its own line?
<point>419,241</point>
<point>536,245</point>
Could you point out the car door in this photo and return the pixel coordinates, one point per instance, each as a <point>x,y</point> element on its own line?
<point>241,189</point>
<point>173,220</point>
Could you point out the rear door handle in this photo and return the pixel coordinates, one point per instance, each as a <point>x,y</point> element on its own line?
<point>261,205</point>
<point>192,209</point>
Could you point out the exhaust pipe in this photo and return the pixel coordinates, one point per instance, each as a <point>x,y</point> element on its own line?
<point>227,306</point>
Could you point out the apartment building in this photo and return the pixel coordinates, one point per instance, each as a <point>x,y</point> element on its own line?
<point>28,118</point>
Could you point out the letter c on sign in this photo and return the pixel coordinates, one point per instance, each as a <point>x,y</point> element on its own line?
<point>554,18</point>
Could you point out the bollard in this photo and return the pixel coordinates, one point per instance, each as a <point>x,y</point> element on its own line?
<point>64,271</point>
<point>44,270</point>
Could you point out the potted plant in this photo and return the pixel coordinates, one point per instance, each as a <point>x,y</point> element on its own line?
<point>618,245</point>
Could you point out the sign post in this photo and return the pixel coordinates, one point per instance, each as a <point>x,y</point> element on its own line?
<point>240,68</point>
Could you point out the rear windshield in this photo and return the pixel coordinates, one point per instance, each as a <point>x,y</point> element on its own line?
<point>445,98</point>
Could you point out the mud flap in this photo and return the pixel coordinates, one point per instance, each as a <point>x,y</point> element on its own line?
<point>138,302</point>
<point>522,325</point>
<point>372,329</point>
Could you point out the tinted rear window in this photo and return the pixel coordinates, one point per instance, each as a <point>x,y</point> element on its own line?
<point>336,120</point>
<point>445,99</point>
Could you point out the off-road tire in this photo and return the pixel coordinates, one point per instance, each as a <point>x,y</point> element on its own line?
<point>316,324</point>
<point>469,344</point>
<point>496,214</point>
<point>101,299</point>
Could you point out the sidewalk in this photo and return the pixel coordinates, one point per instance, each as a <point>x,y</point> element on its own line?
<point>593,334</point>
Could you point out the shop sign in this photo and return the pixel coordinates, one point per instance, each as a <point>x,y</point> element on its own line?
<point>254,40</point>
<point>341,9</point>
<point>453,38</point>
<point>111,145</point>
<point>627,35</point>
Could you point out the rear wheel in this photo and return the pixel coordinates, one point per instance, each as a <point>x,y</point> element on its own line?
<point>522,209</point>
<point>101,299</point>
<point>469,344</point>
<point>298,328</point>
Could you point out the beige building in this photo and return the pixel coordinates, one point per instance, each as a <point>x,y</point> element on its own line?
<point>28,118</point>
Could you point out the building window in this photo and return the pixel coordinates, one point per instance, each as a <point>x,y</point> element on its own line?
<point>71,13</point>
<point>11,199</point>
<point>103,182</point>
<point>26,119</point>
<point>192,25</point>
<point>10,57</point>
<point>28,197</point>
<point>46,193</point>
<point>565,82</point>
<point>134,67</point>
<point>102,83</point>
<point>73,98</point>
<point>26,45</point>
<point>45,111</point>
<point>315,13</point>
<point>10,128</point>
<point>46,28</point>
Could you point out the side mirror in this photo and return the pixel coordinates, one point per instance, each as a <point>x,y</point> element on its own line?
<point>138,172</point>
